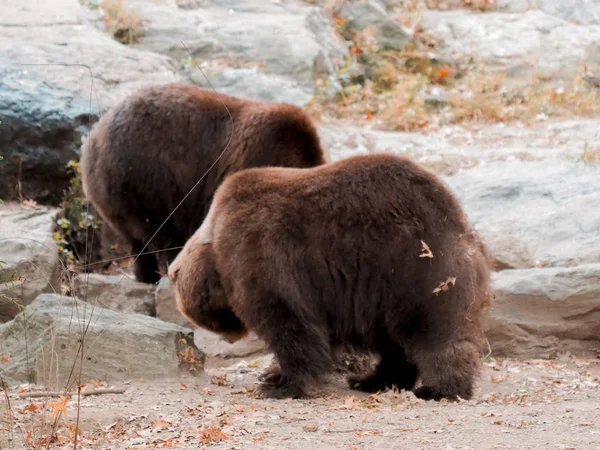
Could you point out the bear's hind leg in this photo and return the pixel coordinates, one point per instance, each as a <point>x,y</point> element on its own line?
<point>393,370</point>
<point>302,352</point>
<point>448,371</point>
<point>145,267</point>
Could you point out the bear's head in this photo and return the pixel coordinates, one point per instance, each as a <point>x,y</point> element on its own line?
<point>200,295</point>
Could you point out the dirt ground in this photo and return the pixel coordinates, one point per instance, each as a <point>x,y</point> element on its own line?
<point>518,405</point>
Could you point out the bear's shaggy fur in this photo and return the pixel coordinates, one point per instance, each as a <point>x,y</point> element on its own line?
<point>148,152</point>
<point>372,251</point>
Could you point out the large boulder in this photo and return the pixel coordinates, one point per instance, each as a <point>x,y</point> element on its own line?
<point>42,344</point>
<point>286,39</point>
<point>522,44</point>
<point>362,14</point>
<point>213,345</point>
<point>166,305</point>
<point>249,82</point>
<point>454,146</point>
<point>548,208</point>
<point>29,263</point>
<point>46,94</point>
<point>116,292</point>
<point>543,312</point>
<point>41,132</point>
<point>584,12</point>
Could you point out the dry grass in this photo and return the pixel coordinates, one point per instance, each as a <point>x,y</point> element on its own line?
<point>477,5</point>
<point>408,5</point>
<point>388,88</point>
<point>591,155</point>
<point>42,422</point>
<point>122,22</point>
<point>483,96</point>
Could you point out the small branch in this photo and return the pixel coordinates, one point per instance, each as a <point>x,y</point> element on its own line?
<point>83,393</point>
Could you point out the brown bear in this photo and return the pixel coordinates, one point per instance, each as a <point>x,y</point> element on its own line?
<point>148,152</point>
<point>371,251</point>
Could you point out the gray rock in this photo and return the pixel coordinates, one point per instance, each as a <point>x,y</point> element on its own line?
<point>253,84</point>
<point>521,44</point>
<point>214,346</point>
<point>166,305</point>
<point>585,12</point>
<point>456,146</point>
<point>333,48</point>
<point>508,252</point>
<point>28,251</point>
<point>514,6</point>
<point>550,207</point>
<point>29,13</point>
<point>117,346</point>
<point>286,37</point>
<point>46,108</point>
<point>543,312</point>
<point>360,14</point>
<point>116,292</point>
<point>435,97</point>
<point>40,133</point>
<point>210,343</point>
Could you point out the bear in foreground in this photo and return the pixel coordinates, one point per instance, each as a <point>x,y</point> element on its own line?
<point>372,251</point>
<point>148,152</point>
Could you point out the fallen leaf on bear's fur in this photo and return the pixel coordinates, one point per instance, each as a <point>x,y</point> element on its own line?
<point>443,286</point>
<point>427,253</point>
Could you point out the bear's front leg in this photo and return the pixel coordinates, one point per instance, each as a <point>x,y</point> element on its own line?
<point>301,350</point>
<point>271,373</point>
<point>393,370</point>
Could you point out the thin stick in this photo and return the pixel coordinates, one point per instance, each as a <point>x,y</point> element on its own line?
<point>83,393</point>
<point>489,349</point>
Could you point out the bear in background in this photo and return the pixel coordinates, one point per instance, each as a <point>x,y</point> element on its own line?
<point>147,153</point>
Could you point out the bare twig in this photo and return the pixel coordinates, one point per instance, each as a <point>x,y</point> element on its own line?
<point>489,349</point>
<point>41,394</point>
<point>19,188</point>
<point>10,411</point>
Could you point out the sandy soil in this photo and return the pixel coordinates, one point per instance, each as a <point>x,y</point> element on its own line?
<point>518,405</point>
